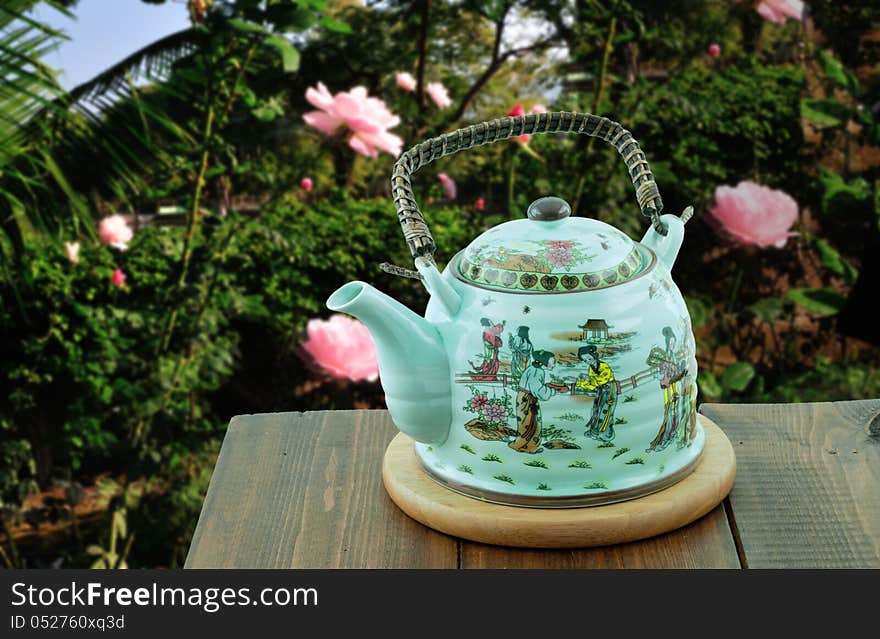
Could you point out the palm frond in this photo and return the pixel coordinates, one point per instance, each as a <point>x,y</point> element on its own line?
<point>27,83</point>
<point>153,62</point>
<point>59,149</point>
<point>27,86</point>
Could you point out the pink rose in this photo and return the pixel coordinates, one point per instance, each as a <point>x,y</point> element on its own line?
<point>306,183</point>
<point>517,111</point>
<point>118,278</point>
<point>343,347</point>
<point>480,204</point>
<point>714,50</point>
<point>780,10</point>
<point>405,81</point>
<point>71,250</point>
<point>448,185</point>
<point>114,230</point>
<point>438,94</point>
<point>367,118</point>
<point>478,401</point>
<point>754,214</point>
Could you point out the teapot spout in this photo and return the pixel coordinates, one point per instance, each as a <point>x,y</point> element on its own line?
<point>667,246</point>
<point>413,366</point>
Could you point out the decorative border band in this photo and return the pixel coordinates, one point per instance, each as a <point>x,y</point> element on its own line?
<point>633,267</point>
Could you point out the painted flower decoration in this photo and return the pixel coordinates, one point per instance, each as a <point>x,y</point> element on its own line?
<point>714,50</point>
<point>779,11</point>
<point>561,244</point>
<point>343,347</point>
<point>306,183</point>
<point>71,250</point>
<point>449,185</point>
<point>559,256</point>
<point>478,401</point>
<point>439,94</point>
<point>115,231</point>
<point>368,119</point>
<point>405,81</point>
<point>118,278</point>
<point>495,413</point>
<point>755,214</point>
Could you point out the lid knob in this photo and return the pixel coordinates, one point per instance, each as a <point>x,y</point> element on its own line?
<point>548,209</point>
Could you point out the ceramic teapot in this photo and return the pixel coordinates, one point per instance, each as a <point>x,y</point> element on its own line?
<point>555,363</point>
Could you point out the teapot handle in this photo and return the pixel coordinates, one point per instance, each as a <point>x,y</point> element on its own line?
<point>415,229</point>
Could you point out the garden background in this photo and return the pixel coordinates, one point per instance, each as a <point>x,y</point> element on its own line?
<point>171,227</point>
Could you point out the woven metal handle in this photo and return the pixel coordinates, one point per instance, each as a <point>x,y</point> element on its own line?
<point>415,229</point>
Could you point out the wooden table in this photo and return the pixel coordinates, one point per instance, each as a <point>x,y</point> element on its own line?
<point>304,490</point>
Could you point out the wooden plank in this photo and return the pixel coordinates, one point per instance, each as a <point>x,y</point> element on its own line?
<point>304,490</point>
<point>807,492</point>
<point>706,543</point>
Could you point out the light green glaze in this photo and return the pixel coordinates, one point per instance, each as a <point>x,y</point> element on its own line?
<point>413,363</point>
<point>464,383</point>
<point>570,254</point>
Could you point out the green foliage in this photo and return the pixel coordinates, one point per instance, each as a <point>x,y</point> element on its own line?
<point>840,197</point>
<point>170,512</point>
<point>85,362</point>
<point>850,378</point>
<point>825,113</point>
<point>82,354</point>
<point>137,383</point>
<point>709,385</point>
<point>315,267</point>
<point>835,262</point>
<point>698,310</point>
<point>737,376</point>
<point>699,141</point>
<point>768,309</point>
<point>837,73</point>
<point>818,301</point>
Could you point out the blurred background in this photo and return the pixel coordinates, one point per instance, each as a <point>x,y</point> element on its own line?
<point>184,182</point>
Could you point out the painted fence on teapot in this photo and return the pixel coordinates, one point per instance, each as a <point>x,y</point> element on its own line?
<point>579,407</point>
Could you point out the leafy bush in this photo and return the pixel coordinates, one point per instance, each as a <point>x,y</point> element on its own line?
<point>125,391</point>
<point>99,382</point>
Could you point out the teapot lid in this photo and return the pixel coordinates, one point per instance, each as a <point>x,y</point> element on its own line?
<point>551,252</point>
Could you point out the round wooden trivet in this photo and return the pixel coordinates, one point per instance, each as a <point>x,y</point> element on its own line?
<point>435,506</point>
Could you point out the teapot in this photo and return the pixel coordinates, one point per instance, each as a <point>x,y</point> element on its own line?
<point>555,363</point>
